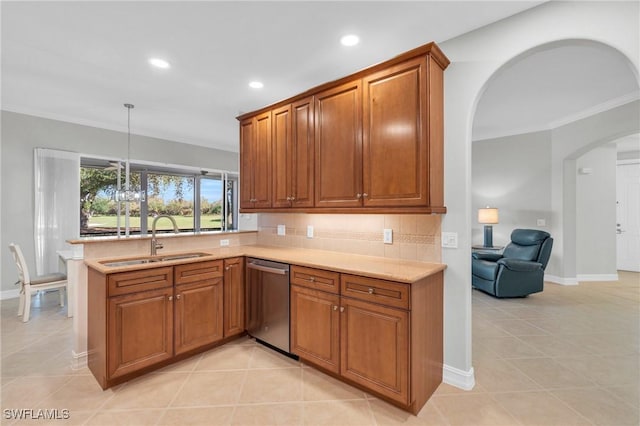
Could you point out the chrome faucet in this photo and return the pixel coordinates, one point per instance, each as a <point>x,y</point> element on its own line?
<point>155,245</point>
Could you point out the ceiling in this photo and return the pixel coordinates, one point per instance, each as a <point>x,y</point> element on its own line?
<point>81,61</point>
<point>552,86</point>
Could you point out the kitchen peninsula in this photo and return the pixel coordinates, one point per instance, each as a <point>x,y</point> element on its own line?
<point>408,290</point>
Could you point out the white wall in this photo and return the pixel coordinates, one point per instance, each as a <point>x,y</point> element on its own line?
<point>512,173</point>
<point>22,133</point>
<point>596,214</point>
<point>475,57</point>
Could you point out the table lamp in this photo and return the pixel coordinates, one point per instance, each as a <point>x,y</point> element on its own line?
<point>488,216</point>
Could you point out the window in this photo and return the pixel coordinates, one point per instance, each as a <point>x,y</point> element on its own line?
<point>197,201</point>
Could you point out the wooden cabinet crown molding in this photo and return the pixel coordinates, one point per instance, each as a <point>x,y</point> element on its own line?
<point>430,49</point>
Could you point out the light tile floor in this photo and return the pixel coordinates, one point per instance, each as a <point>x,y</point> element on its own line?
<point>567,356</point>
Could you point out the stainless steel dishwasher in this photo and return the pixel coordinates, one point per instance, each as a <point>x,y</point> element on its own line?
<point>267,302</point>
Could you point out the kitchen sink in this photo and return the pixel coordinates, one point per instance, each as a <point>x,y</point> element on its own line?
<point>146,260</point>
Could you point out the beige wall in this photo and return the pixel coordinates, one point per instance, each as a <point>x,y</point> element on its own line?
<point>415,236</point>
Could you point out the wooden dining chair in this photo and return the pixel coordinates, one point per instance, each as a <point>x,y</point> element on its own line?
<point>30,286</point>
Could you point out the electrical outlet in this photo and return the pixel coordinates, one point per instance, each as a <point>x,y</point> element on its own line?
<point>282,230</point>
<point>541,222</point>
<point>309,231</point>
<point>387,236</point>
<point>224,243</point>
<point>450,239</point>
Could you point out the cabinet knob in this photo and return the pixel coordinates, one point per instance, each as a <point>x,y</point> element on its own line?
<point>293,198</point>
<point>312,279</point>
<point>358,195</point>
<point>170,298</point>
<point>335,307</point>
<point>178,297</point>
<point>365,195</point>
<point>341,308</point>
<point>226,268</point>
<point>371,291</point>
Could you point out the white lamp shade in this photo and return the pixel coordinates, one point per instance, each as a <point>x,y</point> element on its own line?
<point>488,215</point>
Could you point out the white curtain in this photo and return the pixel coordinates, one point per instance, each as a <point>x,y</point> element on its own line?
<point>57,205</point>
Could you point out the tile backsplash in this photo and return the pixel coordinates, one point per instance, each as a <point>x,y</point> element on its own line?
<point>415,236</point>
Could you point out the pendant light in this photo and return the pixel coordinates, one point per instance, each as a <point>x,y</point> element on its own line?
<point>128,194</point>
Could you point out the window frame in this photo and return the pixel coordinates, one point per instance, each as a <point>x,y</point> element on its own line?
<point>227,178</point>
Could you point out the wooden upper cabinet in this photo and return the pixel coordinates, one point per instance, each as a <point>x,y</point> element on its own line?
<point>372,141</point>
<point>255,161</point>
<point>338,180</point>
<point>303,153</point>
<point>281,156</point>
<point>395,162</point>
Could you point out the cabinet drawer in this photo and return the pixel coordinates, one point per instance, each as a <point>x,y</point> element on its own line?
<point>192,272</point>
<point>142,280</point>
<point>315,278</point>
<point>387,293</point>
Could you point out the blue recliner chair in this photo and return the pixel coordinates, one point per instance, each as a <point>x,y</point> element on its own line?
<point>519,270</point>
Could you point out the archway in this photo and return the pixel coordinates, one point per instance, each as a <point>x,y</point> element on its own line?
<point>553,113</point>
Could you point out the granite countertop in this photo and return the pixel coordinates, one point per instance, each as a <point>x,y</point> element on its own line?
<point>370,266</point>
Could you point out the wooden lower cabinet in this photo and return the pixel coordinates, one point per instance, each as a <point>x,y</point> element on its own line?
<point>315,327</point>
<point>140,330</point>
<point>198,314</point>
<point>393,352</point>
<point>233,296</point>
<point>145,318</point>
<point>374,342</point>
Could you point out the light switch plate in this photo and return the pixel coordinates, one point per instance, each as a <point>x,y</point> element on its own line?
<point>450,239</point>
<point>309,231</point>
<point>282,230</point>
<point>224,243</point>
<point>387,236</point>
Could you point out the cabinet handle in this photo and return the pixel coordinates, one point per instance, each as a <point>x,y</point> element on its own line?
<point>371,291</point>
<point>358,195</point>
<point>335,307</point>
<point>365,195</point>
<point>312,279</point>
<point>170,298</point>
<point>288,198</point>
<point>341,308</point>
<point>178,297</point>
<point>293,198</point>
<point>226,268</point>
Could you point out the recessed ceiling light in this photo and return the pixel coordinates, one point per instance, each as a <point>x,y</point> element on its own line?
<point>159,63</point>
<point>350,40</point>
<point>256,85</point>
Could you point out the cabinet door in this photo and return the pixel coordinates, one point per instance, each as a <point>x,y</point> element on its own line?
<point>302,153</point>
<point>262,165</point>
<point>339,146</point>
<point>374,342</point>
<point>315,327</point>
<point>282,157</point>
<point>255,163</point>
<point>233,296</point>
<point>395,159</point>
<point>140,330</point>
<point>247,161</point>
<point>198,314</point>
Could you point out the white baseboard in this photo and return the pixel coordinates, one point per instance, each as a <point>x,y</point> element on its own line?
<point>597,277</point>
<point>9,294</point>
<point>79,360</point>
<point>560,280</point>
<point>464,380</point>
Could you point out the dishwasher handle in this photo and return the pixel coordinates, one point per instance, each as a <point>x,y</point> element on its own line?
<point>267,269</point>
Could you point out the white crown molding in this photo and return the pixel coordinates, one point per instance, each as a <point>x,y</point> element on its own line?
<point>461,379</point>
<point>104,126</point>
<point>552,125</point>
